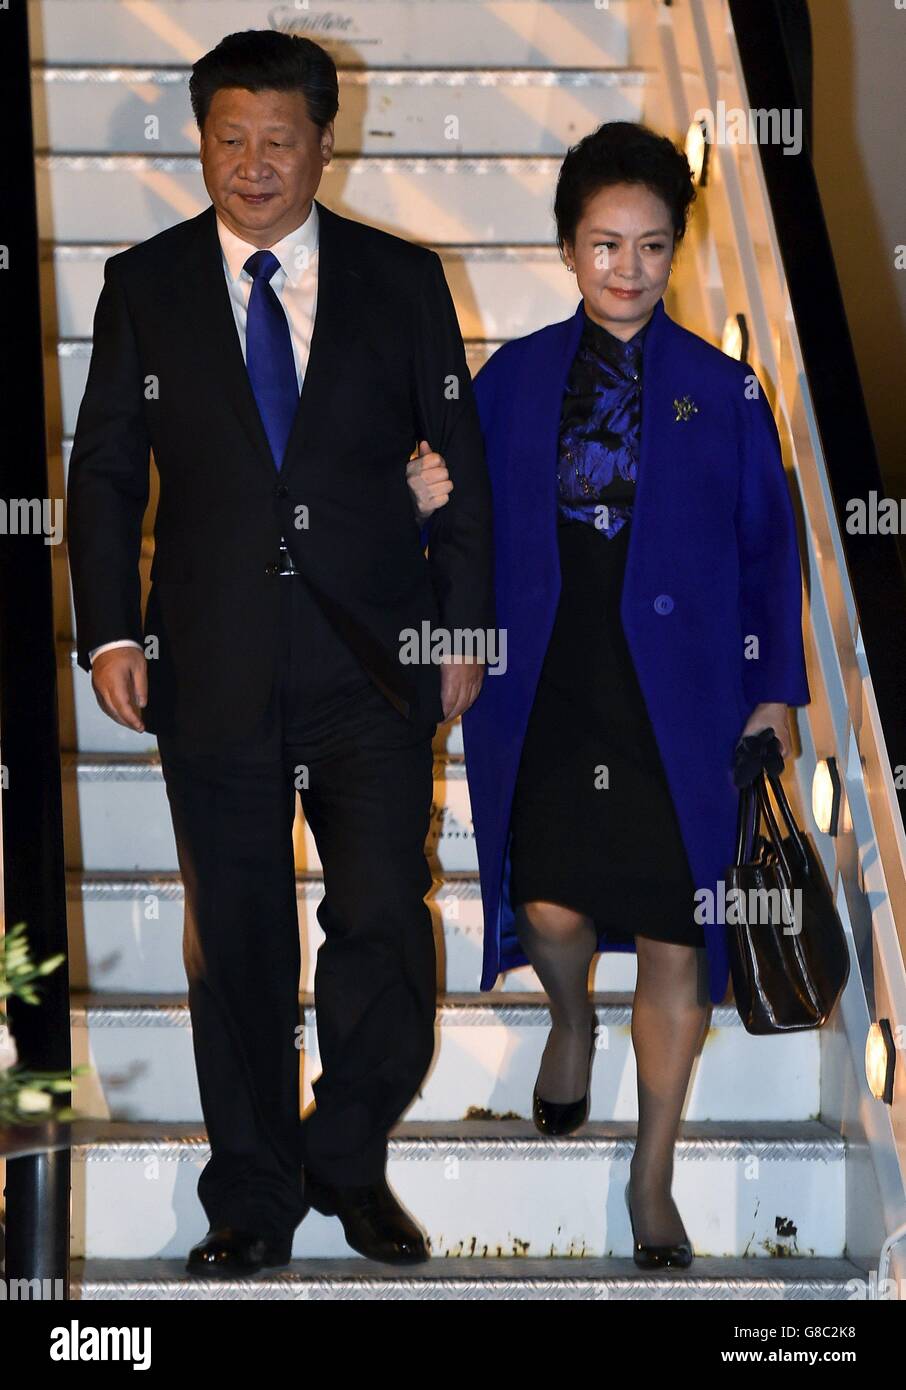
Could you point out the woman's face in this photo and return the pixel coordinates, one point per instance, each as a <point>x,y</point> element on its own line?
<point>622,253</point>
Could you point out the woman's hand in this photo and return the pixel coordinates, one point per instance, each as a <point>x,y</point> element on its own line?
<point>772,716</point>
<point>429,482</point>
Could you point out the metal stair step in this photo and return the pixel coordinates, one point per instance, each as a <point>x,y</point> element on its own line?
<point>487,1057</point>
<point>497,1188</point>
<point>125,933</point>
<point>408,33</point>
<point>614,1279</point>
<point>116,815</point>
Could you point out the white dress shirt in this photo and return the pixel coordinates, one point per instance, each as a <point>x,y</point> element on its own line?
<point>296,286</point>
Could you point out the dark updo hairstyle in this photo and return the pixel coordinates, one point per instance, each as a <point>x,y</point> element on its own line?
<point>265,60</point>
<point>623,152</point>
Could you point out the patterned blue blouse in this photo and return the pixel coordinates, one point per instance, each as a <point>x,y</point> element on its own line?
<point>600,429</point>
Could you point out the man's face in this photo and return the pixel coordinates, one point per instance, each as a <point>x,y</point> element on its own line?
<point>262,157</point>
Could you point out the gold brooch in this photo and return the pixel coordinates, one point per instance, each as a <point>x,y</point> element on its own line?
<point>685,408</point>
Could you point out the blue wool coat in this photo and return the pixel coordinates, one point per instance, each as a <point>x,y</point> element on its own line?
<point>711,600</point>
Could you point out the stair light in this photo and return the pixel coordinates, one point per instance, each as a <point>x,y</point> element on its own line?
<point>697,151</point>
<point>880,1060</point>
<point>735,339</point>
<point>826,795</point>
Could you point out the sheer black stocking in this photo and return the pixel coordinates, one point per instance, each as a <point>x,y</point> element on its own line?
<point>560,944</point>
<point>669,1017</point>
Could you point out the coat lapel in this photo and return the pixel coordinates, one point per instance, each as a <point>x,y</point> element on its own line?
<point>553,384</point>
<point>658,448</point>
<point>209,318</point>
<point>536,443</point>
<point>673,460</point>
<point>335,311</point>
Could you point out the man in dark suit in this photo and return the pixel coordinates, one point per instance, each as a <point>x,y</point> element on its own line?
<point>288,565</point>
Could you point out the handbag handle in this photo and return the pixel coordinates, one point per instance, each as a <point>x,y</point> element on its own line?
<point>762,752</point>
<point>774,832</point>
<point>746,822</point>
<point>787,812</point>
<point>754,803</point>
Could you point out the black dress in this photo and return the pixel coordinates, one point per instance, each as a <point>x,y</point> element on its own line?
<point>593,823</point>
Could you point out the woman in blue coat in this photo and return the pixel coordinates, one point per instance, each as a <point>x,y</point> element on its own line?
<point>648,582</point>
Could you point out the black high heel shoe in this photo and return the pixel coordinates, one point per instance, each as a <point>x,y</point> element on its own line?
<point>679,1256</point>
<point>556,1118</point>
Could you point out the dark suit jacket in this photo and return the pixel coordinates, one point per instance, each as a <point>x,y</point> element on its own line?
<point>387,368</point>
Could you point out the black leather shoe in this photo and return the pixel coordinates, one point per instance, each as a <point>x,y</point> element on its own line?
<point>677,1256</point>
<point>557,1118</point>
<point>227,1251</point>
<point>373,1221</point>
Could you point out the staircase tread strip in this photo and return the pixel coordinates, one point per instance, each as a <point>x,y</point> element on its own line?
<point>463,1131</point>
<point>755,1269</point>
<point>488,1004</point>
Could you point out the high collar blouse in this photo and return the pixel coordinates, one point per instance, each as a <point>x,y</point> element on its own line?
<point>600,429</point>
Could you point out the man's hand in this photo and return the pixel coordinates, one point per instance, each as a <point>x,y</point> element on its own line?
<point>429,482</point>
<point>460,682</point>
<point>772,716</point>
<point>120,681</point>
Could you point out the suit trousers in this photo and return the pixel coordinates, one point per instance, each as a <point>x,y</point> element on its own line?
<point>365,777</point>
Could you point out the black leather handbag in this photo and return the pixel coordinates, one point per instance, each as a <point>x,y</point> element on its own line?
<point>789,958</point>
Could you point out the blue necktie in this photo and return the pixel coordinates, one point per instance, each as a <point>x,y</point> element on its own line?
<point>269,354</point>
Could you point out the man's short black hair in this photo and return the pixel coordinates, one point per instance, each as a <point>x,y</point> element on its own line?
<point>265,60</point>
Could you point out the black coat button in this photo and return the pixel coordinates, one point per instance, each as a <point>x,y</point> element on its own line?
<point>283,490</point>
<point>271,569</point>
